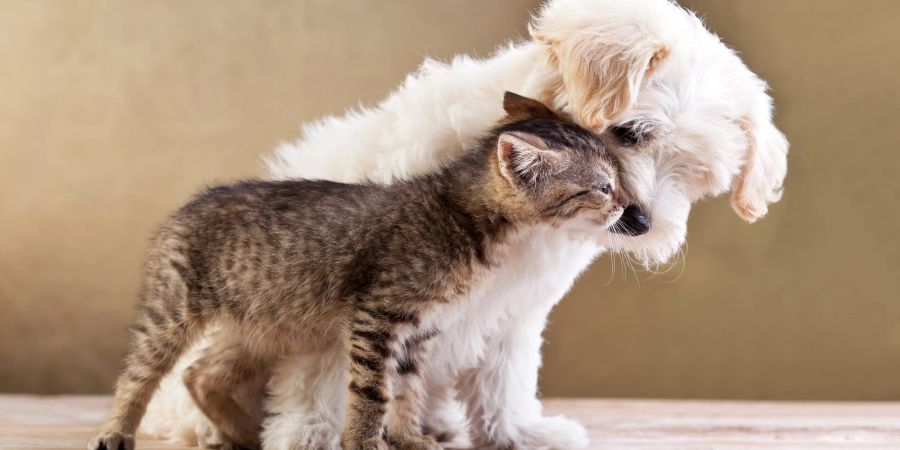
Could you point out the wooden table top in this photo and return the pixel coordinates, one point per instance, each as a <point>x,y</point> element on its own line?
<point>65,423</point>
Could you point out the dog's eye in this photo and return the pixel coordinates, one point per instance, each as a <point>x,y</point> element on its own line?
<point>605,188</point>
<point>629,134</point>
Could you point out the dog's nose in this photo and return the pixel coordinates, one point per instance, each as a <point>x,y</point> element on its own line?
<point>634,221</point>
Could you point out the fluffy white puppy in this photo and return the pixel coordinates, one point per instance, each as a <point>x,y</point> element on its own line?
<point>686,118</point>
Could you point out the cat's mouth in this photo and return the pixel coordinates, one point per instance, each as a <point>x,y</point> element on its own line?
<point>611,220</point>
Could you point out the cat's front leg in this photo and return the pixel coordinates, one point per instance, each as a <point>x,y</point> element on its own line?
<point>369,345</point>
<point>501,395</point>
<point>404,430</point>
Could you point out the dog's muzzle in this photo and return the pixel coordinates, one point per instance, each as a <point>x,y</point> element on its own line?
<point>634,221</point>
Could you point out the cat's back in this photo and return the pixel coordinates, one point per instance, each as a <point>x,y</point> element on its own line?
<point>279,196</point>
<point>273,213</point>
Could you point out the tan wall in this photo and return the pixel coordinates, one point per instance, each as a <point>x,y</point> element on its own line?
<point>113,112</point>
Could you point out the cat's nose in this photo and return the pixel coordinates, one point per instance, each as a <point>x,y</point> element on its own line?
<point>634,221</point>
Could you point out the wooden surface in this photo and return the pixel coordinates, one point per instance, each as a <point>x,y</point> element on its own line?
<point>66,422</point>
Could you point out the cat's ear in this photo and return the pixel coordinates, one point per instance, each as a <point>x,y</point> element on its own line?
<point>524,158</point>
<point>519,107</point>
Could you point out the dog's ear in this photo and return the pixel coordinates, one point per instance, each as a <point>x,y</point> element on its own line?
<point>602,64</point>
<point>523,158</point>
<point>519,107</point>
<point>760,179</point>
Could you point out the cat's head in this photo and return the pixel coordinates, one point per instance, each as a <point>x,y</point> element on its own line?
<point>555,171</point>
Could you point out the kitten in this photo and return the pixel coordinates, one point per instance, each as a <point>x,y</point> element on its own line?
<point>292,265</point>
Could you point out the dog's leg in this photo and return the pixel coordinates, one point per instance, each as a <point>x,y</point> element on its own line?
<point>306,402</point>
<point>501,395</point>
<point>445,417</point>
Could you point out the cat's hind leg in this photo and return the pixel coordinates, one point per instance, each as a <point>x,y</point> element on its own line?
<point>160,335</point>
<point>213,380</point>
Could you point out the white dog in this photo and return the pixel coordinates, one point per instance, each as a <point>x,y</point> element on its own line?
<point>682,113</point>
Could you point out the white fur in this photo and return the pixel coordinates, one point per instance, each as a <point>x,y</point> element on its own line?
<point>605,62</point>
<point>173,414</point>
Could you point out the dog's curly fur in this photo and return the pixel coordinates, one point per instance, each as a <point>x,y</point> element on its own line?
<point>690,119</point>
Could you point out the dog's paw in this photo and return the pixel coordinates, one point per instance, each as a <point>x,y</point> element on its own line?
<point>553,433</point>
<point>449,426</point>
<point>545,433</point>
<point>209,436</point>
<point>287,434</point>
<point>111,440</point>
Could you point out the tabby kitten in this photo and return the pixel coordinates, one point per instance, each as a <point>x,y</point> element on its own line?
<point>292,265</point>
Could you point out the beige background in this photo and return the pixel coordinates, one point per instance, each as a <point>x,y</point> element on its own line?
<point>113,112</point>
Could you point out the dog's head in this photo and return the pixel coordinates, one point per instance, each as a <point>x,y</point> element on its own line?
<point>682,113</point>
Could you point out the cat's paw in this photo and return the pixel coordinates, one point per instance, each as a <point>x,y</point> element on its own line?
<point>553,433</point>
<point>375,443</point>
<point>414,442</point>
<point>111,440</point>
<point>210,437</point>
<point>229,445</point>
